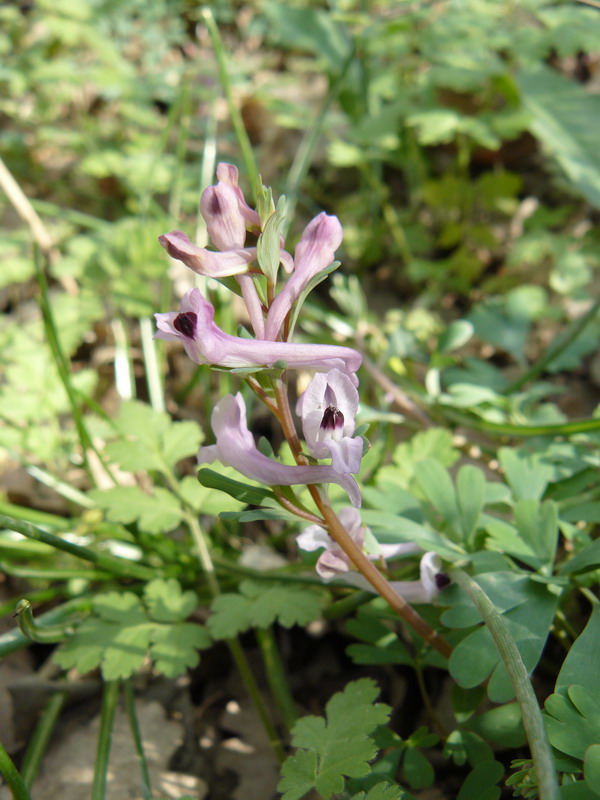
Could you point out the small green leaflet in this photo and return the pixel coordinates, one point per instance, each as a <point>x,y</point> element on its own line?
<point>383,791</point>
<point>151,440</point>
<point>259,605</point>
<point>123,630</point>
<point>335,748</point>
<point>158,512</point>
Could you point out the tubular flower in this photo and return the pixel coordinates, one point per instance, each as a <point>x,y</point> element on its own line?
<point>206,343</point>
<point>206,262</point>
<point>315,251</point>
<point>235,447</point>
<point>328,409</point>
<point>334,561</point>
<point>224,220</point>
<point>228,175</point>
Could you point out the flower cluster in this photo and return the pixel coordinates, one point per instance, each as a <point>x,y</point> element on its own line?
<point>327,409</point>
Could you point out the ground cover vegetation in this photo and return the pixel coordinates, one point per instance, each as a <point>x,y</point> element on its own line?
<point>361,473</point>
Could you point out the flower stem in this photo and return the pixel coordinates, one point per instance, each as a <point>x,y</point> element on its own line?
<point>41,737</point>
<point>511,658</point>
<point>110,696</point>
<point>113,564</point>
<point>276,676</point>
<point>344,540</point>
<point>235,648</point>
<point>12,776</point>
<point>137,739</point>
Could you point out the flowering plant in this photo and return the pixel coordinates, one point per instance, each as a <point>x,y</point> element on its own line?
<point>327,408</point>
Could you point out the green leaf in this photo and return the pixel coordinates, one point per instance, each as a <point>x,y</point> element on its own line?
<point>116,640</point>
<point>383,791</point>
<point>582,664</point>
<point>476,656</point>
<point>470,496</point>
<point>480,783</point>
<point>382,644</point>
<point>573,721</point>
<point>337,747</point>
<point>250,495</point>
<point>166,602</point>
<point>417,769</point>
<point>527,474</point>
<point>587,559</point>
<point>432,443</point>
<point>155,513</point>
<point>501,725</point>
<point>150,440</point>
<point>119,637</point>
<point>435,482</point>
<point>591,768</point>
<point>455,336</point>
<point>565,117</point>
<point>174,648</point>
<point>259,605</point>
<point>537,524</point>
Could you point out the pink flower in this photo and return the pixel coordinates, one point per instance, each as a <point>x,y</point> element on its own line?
<point>224,220</point>
<point>235,447</point>
<point>206,262</point>
<point>228,175</point>
<point>334,561</point>
<point>328,409</point>
<point>315,251</point>
<point>206,343</point>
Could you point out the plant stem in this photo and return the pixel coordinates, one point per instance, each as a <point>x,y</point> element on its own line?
<point>110,696</point>
<point>113,564</point>
<point>235,648</point>
<point>15,640</point>
<point>277,678</point>
<point>555,350</point>
<point>12,776</point>
<point>63,367</point>
<point>40,740</point>
<point>343,539</point>
<point>509,429</point>
<point>511,658</point>
<point>234,112</point>
<point>137,739</point>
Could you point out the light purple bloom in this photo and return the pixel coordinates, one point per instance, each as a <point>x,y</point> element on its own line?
<point>328,409</point>
<point>228,174</point>
<point>315,251</point>
<point>206,262</point>
<point>334,561</point>
<point>224,220</point>
<point>206,343</point>
<point>235,447</point>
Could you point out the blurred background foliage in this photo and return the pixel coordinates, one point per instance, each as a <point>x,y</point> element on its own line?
<point>456,141</point>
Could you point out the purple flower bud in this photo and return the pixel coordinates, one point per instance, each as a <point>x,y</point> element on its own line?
<point>328,410</point>
<point>315,251</point>
<point>235,448</point>
<point>205,343</point>
<point>205,262</point>
<point>224,220</point>
<point>228,174</point>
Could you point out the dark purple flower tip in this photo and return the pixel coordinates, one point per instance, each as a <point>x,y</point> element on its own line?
<point>333,419</point>
<point>442,580</point>
<point>185,323</point>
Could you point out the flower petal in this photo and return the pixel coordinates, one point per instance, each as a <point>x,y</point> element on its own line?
<point>205,262</point>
